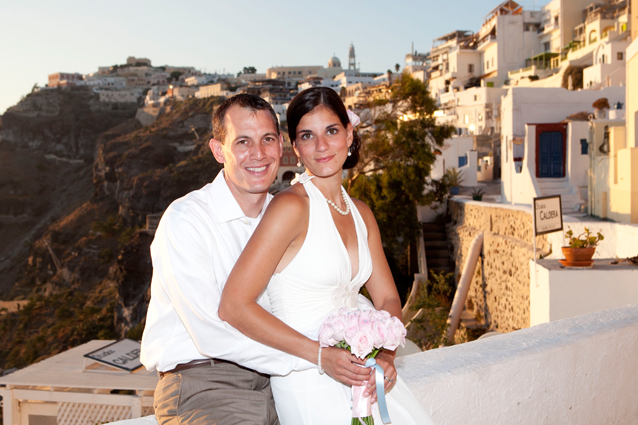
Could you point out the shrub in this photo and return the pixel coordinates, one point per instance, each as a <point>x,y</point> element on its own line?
<point>435,300</point>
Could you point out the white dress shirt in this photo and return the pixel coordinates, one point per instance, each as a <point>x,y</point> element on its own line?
<point>198,241</point>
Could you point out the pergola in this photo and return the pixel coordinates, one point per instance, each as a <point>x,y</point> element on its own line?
<point>542,61</point>
<point>68,389</point>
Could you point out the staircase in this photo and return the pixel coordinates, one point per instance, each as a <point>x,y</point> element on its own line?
<point>571,201</point>
<point>437,253</point>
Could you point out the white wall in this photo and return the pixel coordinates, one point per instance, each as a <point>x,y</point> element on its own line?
<point>469,171</point>
<point>576,371</point>
<point>557,293</point>
<point>620,239</point>
<point>450,152</point>
<point>577,163</point>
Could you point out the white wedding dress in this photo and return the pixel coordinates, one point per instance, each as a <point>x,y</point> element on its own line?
<point>315,283</point>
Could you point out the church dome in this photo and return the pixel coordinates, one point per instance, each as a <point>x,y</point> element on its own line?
<point>334,62</point>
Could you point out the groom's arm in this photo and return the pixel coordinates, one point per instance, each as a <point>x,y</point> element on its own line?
<point>185,280</point>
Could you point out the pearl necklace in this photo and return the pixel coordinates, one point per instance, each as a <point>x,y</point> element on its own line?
<point>345,201</point>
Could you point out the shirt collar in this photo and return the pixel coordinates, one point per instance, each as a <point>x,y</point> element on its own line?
<point>225,205</point>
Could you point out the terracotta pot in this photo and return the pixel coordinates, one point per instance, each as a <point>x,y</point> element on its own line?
<point>578,254</point>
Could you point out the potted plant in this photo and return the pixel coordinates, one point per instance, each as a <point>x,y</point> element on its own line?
<point>580,249</point>
<point>601,106</point>
<point>454,179</point>
<point>477,194</point>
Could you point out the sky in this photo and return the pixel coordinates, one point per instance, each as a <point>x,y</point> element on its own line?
<point>38,37</point>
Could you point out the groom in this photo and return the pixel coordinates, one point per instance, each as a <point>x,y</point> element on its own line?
<point>198,241</point>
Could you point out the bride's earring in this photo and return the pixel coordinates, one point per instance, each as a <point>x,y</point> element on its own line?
<point>298,162</point>
<point>350,151</point>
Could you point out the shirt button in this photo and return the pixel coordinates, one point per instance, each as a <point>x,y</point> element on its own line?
<point>245,221</point>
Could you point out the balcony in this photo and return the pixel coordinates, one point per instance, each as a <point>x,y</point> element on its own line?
<point>483,44</point>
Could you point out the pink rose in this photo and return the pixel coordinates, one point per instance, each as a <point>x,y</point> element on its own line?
<point>384,314</point>
<point>338,325</point>
<point>349,333</point>
<point>379,333</point>
<point>396,334</point>
<point>361,345</point>
<point>326,338</point>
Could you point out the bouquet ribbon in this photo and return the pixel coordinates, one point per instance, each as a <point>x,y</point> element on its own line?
<point>379,380</point>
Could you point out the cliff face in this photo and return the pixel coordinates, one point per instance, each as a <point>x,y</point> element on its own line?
<point>65,123</point>
<point>47,146</point>
<point>87,270</point>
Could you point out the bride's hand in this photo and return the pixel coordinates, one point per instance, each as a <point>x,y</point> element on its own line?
<point>385,359</point>
<point>342,366</point>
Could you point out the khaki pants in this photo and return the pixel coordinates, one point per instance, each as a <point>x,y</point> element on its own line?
<point>219,394</point>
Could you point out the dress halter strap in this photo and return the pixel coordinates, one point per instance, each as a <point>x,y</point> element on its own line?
<point>302,178</point>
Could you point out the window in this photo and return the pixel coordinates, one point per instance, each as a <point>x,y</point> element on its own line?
<point>475,98</point>
<point>492,62</point>
<point>556,20</point>
<point>546,46</point>
<point>470,68</point>
<point>467,119</point>
<point>487,65</point>
<point>285,160</point>
<point>602,58</point>
<point>620,56</point>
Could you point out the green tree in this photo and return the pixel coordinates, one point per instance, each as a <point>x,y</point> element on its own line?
<point>175,75</point>
<point>249,70</point>
<point>399,138</point>
<point>397,67</point>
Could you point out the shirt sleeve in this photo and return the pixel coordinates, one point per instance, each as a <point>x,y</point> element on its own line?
<point>182,262</point>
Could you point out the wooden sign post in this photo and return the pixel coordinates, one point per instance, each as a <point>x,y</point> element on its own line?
<point>547,217</point>
<point>123,354</point>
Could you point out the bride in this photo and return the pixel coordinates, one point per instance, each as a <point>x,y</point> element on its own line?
<point>313,250</point>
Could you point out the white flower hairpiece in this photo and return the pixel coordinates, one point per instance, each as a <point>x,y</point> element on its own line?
<point>354,118</point>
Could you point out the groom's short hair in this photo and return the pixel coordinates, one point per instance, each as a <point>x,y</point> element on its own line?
<point>248,101</point>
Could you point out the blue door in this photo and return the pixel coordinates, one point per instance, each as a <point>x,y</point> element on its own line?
<point>550,161</point>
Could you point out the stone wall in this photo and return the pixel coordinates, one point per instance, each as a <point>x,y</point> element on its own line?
<point>499,294</point>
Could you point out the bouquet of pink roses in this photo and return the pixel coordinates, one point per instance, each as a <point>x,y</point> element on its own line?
<point>364,333</point>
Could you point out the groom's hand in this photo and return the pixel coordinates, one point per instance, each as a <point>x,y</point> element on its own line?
<point>342,366</point>
<point>385,359</point>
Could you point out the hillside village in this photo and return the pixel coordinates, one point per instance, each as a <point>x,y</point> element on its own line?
<point>544,102</point>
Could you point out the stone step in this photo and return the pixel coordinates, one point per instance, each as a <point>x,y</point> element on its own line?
<point>468,320</point>
<point>434,244</point>
<point>562,191</point>
<point>438,262</point>
<point>434,237</point>
<point>552,182</point>
<point>440,269</point>
<point>433,228</point>
<point>436,253</point>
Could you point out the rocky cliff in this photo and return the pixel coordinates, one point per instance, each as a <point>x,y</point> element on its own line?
<point>86,270</point>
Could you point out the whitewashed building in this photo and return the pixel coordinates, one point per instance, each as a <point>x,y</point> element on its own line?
<point>120,96</point>
<point>539,156</point>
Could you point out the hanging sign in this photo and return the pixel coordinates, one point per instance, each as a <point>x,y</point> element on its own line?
<point>548,215</point>
<point>123,354</point>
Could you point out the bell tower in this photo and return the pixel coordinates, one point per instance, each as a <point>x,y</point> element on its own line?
<point>352,64</point>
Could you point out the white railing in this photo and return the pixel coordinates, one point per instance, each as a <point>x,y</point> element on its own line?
<point>573,371</point>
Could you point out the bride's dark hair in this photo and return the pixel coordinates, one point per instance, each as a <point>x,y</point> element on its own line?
<point>308,100</point>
